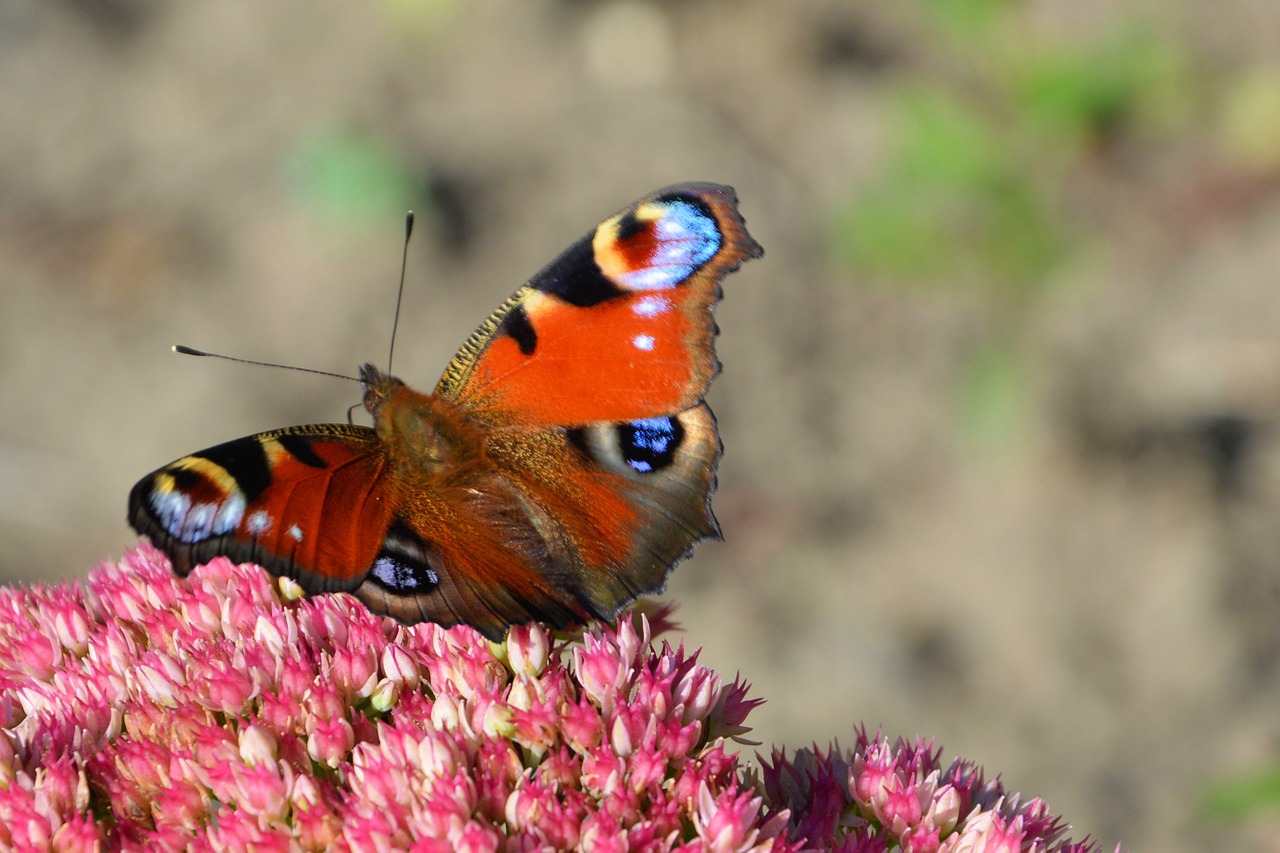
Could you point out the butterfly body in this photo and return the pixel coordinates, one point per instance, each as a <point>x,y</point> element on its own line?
<point>560,468</point>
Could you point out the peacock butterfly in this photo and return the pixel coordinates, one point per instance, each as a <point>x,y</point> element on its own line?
<point>562,466</point>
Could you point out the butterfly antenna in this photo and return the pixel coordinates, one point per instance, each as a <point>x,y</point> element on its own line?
<point>404,264</point>
<point>185,350</point>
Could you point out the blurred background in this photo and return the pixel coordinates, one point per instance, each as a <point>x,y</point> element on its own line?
<point>999,404</point>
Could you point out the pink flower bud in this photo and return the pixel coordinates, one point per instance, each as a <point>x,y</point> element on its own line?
<point>330,742</point>
<point>944,811</point>
<point>620,738</point>
<point>727,823</point>
<point>202,613</point>
<point>268,635</point>
<point>325,702</point>
<point>445,713</point>
<point>316,827</point>
<point>698,691</point>
<point>36,656</point>
<point>519,696</point>
<point>582,725</point>
<point>921,839</point>
<point>986,832</point>
<point>78,835</point>
<point>384,695</point>
<point>535,728</point>
<point>227,686</point>
<point>437,756</point>
<point>399,666</point>
<point>494,719</point>
<point>71,627</point>
<point>305,793</point>
<point>256,745</point>
<point>156,685</point>
<point>355,671</point>
<point>528,647</point>
<point>871,773</point>
<point>898,808</point>
<point>475,838</point>
<point>181,804</point>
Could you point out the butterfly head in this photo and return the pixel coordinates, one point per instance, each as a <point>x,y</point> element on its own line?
<point>378,386</point>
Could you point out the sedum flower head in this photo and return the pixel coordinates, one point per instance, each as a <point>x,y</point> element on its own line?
<point>883,795</point>
<point>144,712</point>
<point>139,711</point>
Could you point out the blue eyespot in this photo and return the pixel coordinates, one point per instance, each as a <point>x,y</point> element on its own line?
<point>650,445</point>
<point>685,238</point>
<point>402,576</point>
<point>402,566</point>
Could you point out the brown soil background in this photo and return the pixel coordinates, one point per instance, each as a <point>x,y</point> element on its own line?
<point>1087,606</point>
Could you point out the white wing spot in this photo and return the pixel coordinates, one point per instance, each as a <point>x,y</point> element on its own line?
<point>295,533</point>
<point>171,508</point>
<point>651,306</point>
<point>643,342</point>
<point>230,513</point>
<point>198,523</point>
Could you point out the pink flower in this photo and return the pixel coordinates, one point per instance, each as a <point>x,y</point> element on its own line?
<point>881,795</point>
<point>256,745</point>
<point>400,666</point>
<point>330,742</point>
<point>528,648</point>
<point>143,711</point>
<point>728,822</point>
<point>355,671</point>
<point>987,832</point>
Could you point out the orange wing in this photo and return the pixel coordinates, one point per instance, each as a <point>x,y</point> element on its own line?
<point>617,328</point>
<point>306,502</point>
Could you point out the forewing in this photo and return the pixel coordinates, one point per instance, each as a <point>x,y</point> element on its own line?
<point>619,327</point>
<point>306,502</point>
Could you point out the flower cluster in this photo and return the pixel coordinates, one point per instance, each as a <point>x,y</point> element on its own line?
<point>897,796</point>
<point>143,712</point>
<point>146,712</point>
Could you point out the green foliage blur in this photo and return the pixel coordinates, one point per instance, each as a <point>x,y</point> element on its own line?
<point>974,189</point>
<point>347,177</point>
<point>1243,797</point>
<point>976,193</point>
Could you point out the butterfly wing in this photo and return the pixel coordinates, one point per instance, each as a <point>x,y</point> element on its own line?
<point>558,525</point>
<point>619,327</point>
<point>619,503</point>
<point>600,454</point>
<point>306,502</point>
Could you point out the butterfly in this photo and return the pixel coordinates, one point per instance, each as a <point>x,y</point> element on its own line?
<point>562,466</point>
